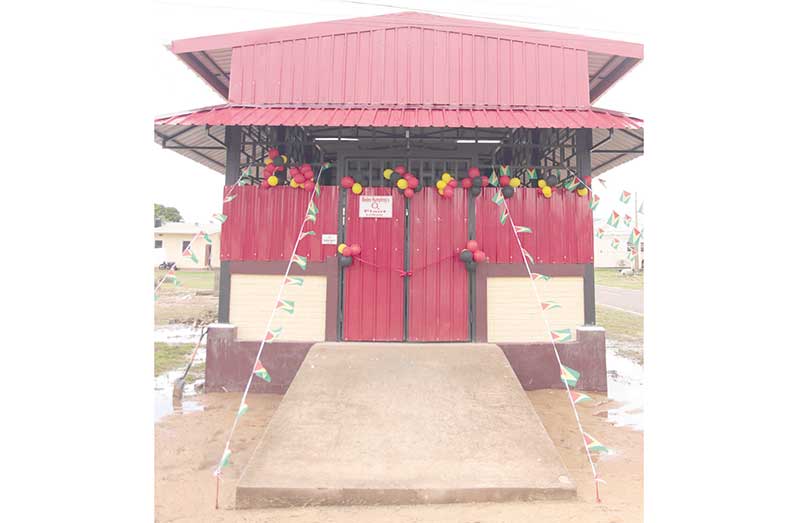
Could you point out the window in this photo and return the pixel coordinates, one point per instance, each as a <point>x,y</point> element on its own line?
<point>186,243</point>
<point>158,244</point>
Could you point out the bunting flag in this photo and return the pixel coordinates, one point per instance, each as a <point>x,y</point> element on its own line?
<point>286,305</point>
<point>578,397</point>
<point>640,210</point>
<point>528,256</point>
<point>294,280</point>
<point>207,237</point>
<point>631,255</point>
<point>223,462</point>
<point>625,195</point>
<point>569,375</point>
<point>594,202</point>
<point>493,179</point>
<point>301,261</point>
<point>190,252</point>
<point>230,198</point>
<point>326,165</point>
<point>306,233</point>
<point>627,220</point>
<point>312,212</point>
<point>532,174</point>
<point>242,410</point>
<point>600,233</point>
<point>498,198</point>
<point>261,372</point>
<point>221,217</point>
<point>561,335</point>
<point>593,444</point>
<point>615,243</point>
<point>520,228</point>
<point>550,305</point>
<point>317,190</point>
<point>613,220</point>
<point>504,170</point>
<point>273,335</point>
<point>634,237</point>
<point>537,276</point>
<point>602,182</point>
<point>504,216</point>
<point>572,183</point>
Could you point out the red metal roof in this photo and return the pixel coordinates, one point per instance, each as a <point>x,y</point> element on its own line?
<point>347,116</point>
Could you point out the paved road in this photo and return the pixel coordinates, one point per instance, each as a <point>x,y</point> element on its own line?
<point>630,300</point>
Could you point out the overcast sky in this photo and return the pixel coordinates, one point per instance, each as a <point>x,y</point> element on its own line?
<point>196,190</point>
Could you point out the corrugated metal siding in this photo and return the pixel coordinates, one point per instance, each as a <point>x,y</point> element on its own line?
<point>438,292</point>
<point>562,227</point>
<point>262,224</point>
<point>409,65</point>
<point>374,296</point>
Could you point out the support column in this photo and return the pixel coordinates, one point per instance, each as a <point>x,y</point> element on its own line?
<point>232,170</point>
<point>584,143</point>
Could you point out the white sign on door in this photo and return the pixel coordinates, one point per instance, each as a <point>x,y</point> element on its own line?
<point>329,239</point>
<point>376,206</point>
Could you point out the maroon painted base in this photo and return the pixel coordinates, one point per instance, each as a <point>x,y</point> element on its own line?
<point>229,362</point>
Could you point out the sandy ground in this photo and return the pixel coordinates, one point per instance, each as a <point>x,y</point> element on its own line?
<point>188,446</point>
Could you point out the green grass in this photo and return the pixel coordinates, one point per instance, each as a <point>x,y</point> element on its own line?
<point>170,356</point>
<point>198,280</point>
<point>620,325</point>
<point>613,278</point>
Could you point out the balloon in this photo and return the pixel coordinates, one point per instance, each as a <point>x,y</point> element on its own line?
<point>268,161</point>
<point>293,184</point>
<point>504,181</point>
<point>418,187</point>
<point>508,191</point>
<point>357,188</point>
<point>440,191</point>
<point>341,247</point>
<point>412,182</point>
<point>473,172</point>
<point>448,192</point>
<point>401,169</point>
<point>347,182</point>
<point>480,256</point>
<point>347,251</point>
<point>387,174</point>
<point>440,184</point>
<point>272,180</point>
<point>395,177</point>
<point>582,191</point>
<point>280,168</point>
<point>409,192</point>
<point>472,245</point>
<point>467,183</point>
<point>269,167</point>
<point>547,191</point>
<point>476,191</point>
<point>273,153</point>
<point>542,183</point>
<point>355,249</point>
<point>299,179</point>
<point>407,176</point>
<point>471,266</point>
<point>515,182</point>
<point>402,184</point>
<point>309,186</point>
<point>345,261</point>
<point>306,167</point>
<point>446,177</point>
<point>365,182</point>
<point>452,183</point>
<point>477,182</point>
<point>285,159</point>
<point>551,180</point>
<point>485,181</point>
<point>588,180</point>
<point>293,171</point>
<point>466,255</point>
<point>278,160</point>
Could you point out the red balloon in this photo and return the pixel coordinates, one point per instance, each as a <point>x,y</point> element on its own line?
<point>504,181</point>
<point>269,168</point>
<point>452,183</point>
<point>299,179</point>
<point>485,181</point>
<point>347,182</point>
<point>479,256</point>
<point>401,169</point>
<point>280,168</point>
<point>587,180</point>
<point>473,172</point>
<point>448,192</point>
<point>347,251</point>
<point>472,245</point>
<point>467,183</point>
<point>273,153</point>
<point>355,248</point>
<point>412,183</point>
<point>309,186</point>
<point>408,175</point>
<point>306,167</point>
<point>293,171</point>
<point>409,192</point>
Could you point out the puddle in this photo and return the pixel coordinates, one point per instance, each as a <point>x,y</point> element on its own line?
<point>178,333</point>
<point>164,383</point>
<point>625,386</point>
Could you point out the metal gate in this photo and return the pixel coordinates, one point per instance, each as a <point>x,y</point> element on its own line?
<point>409,283</point>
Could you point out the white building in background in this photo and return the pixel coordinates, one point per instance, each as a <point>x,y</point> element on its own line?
<point>172,239</point>
<point>607,256</point>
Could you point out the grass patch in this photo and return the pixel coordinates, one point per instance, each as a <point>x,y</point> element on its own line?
<point>620,325</point>
<point>170,356</point>
<point>197,280</point>
<point>613,278</point>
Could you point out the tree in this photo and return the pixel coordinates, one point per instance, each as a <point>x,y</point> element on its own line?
<point>167,214</point>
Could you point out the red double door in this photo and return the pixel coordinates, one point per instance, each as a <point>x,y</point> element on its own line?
<point>409,284</point>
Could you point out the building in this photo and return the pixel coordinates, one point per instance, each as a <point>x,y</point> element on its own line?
<point>613,250</point>
<point>173,239</point>
<point>433,94</point>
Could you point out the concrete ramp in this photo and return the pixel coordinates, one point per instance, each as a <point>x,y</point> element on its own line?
<point>376,424</point>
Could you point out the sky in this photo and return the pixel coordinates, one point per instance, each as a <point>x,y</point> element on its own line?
<point>196,191</point>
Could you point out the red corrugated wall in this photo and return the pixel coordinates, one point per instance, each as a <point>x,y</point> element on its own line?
<point>562,227</point>
<point>374,296</point>
<point>438,289</point>
<point>263,224</point>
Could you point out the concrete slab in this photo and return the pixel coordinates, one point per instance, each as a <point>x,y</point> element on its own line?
<point>367,423</point>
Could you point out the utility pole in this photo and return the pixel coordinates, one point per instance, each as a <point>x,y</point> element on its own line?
<point>637,258</point>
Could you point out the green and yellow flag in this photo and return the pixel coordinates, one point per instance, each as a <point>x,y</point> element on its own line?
<point>594,201</point>
<point>599,233</point>
<point>625,196</point>
<point>561,335</point>
<point>578,397</point>
<point>294,280</point>
<point>503,218</point>
<point>613,220</point>
<point>532,174</point>
<point>634,237</point>
<point>301,261</point>
<point>273,335</point>
<point>504,170</point>
<point>572,183</point>
<point>627,220</point>
<point>286,305</point>
<point>261,372</point>
<point>615,243</point>
<point>521,228</point>
<point>230,198</point>
<point>498,198</point>
<point>221,217</point>
<point>493,179</point>
<point>312,212</point>
<point>593,444</point>
<point>542,277</point>
<point>550,305</point>
<point>206,237</point>
<point>569,375</point>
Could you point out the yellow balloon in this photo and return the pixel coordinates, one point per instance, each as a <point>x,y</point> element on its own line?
<point>268,161</point>
<point>446,177</point>
<point>547,191</point>
<point>285,159</point>
<point>272,180</point>
<point>357,188</point>
<point>341,248</point>
<point>582,191</point>
<point>515,182</point>
<point>387,174</point>
<point>440,191</point>
<point>402,184</point>
<point>440,184</point>
<point>293,184</point>
<point>542,183</point>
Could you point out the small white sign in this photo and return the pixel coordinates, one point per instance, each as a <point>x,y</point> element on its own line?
<point>329,239</point>
<point>376,206</point>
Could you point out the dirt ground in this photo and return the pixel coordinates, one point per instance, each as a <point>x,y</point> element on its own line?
<point>185,306</point>
<point>188,446</point>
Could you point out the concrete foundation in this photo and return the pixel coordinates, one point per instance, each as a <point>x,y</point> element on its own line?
<point>403,424</point>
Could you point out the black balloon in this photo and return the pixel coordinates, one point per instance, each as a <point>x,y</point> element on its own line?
<point>476,191</point>
<point>365,181</point>
<point>508,191</point>
<point>478,181</point>
<point>345,261</point>
<point>278,160</point>
<point>471,266</point>
<point>395,177</point>
<point>551,180</point>
<point>466,255</point>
